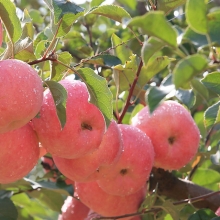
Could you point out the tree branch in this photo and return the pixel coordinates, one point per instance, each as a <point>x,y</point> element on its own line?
<point>179,189</point>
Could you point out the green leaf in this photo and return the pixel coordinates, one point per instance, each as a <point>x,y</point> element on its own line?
<point>105,60</point>
<point>62,7</point>
<point>150,47</point>
<point>125,74</point>
<point>59,94</point>
<point>211,179</point>
<point>8,210</point>
<point>50,198</point>
<point>202,214</point>
<point>212,81</point>
<point>213,31</point>
<point>200,89</point>
<point>155,24</point>
<point>187,97</point>
<point>132,4</point>
<point>215,158</point>
<point>100,94</point>
<point>196,15</point>
<point>28,28</point>
<point>114,12</point>
<point>156,94</point>
<point>212,115</point>
<point>187,68</point>
<point>58,69</point>
<point>11,21</point>
<point>169,5</point>
<point>121,51</point>
<point>95,3</point>
<point>136,109</point>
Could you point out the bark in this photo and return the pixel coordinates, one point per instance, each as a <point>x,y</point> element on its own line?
<point>179,189</point>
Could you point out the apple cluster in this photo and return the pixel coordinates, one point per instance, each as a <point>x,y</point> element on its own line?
<point>110,166</point>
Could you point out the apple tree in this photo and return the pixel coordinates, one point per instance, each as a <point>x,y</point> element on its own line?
<point>109,111</point>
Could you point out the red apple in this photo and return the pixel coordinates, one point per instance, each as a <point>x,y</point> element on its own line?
<point>21,94</point>
<point>19,153</point>
<point>82,169</point>
<point>173,132</point>
<point>133,168</point>
<point>108,205</point>
<point>84,126</point>
<point>73,209</point>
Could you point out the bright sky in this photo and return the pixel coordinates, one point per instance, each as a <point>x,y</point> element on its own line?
<point>83,1</point>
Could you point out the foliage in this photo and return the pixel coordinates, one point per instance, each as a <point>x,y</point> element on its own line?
<point>128,59</point>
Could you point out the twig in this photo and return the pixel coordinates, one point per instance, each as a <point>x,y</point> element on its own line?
<point>128,102</point>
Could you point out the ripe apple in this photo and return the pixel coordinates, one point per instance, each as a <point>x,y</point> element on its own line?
<point>132,170</point>
<point>106,204</point>
<point>82,169</point>
<point>1,33</point>
<point>84,126</point>
<point>73,209</point>
<point>173,132</point>
<point>19,153</point>
<point>21,94</point>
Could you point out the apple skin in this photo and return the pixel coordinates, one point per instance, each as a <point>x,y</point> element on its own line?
<point>82,169</point>
<point>21,94</point>
<point>19,153</point>
<point>73,209</point>
<point>84,126</point>
<point>105,204</point>
<point>173,132</point>
<point>132,170</point>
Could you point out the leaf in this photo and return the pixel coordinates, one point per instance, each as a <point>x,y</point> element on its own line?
<point>169,5</point>
<point>8,210</point>
<point>58,69</point>
<point>125,74</point>
<point>196,16</point>
<point>94,3</point>
<point>200,89</point>
<point>50,198</point>
<point>156,94</point>
<point>59,94</point>
<point>150,47</point>
<point>212,81</point>
<point>114,12</point>
<point>132,4</point>
<point>155,24</point>
<point>187,68</point>
<point>171,209</point>
<point>63,7</point>
<point>213,30</point>
<point>100,94</point>
<point>28,28</point>
<point>136,109</point>
<point>212,115</point>
<point>10,19</point>
<point>105,60</point>
<point>215,158</point>
<point>202,214</point>
<point>187,97</point>
<point>121,51</point>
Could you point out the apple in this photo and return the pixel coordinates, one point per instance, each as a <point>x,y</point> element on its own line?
<point>82,169</point>
<point>106,204</point>
<point>84,126</point>
<point>73,209</point>
<point>173,132</point>
<point>1,33</point>
<point>21,94</point>
<point>19,153</point>
<point>130,173</point>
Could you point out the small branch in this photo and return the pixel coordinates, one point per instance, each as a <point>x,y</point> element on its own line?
<point>42,60</point>
<point>90,35</point>
<point>128,103</point>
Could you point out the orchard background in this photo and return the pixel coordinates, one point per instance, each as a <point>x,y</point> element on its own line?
<point>129,54</point>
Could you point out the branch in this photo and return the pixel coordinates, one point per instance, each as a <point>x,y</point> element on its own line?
<point>179,189</point>
<point>128,102</point>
